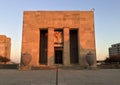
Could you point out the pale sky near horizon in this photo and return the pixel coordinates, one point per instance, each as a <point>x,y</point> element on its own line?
<point>106,17</point>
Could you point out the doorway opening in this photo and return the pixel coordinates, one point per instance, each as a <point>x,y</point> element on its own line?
<point>58,56</point>
<point>43,46</point>
<point>74,46</point>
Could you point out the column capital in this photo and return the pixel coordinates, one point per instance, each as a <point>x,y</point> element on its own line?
<point>66,27</point>
<point>50,28</point>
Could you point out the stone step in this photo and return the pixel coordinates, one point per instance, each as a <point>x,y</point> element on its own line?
<point>55,67</point>
<point>43,67</point>
<point>71,67</point>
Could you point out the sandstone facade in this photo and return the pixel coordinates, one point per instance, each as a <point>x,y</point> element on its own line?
<point>5,46</point>
<point>58,37</point>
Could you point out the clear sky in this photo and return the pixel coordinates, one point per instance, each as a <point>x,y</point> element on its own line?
<point>107,20</point>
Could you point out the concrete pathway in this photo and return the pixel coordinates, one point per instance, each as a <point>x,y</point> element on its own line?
<point>66,77</point>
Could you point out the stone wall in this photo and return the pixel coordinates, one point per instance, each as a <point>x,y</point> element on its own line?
<point>5,46</point>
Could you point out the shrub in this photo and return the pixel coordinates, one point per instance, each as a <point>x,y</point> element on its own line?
<point>4,59</point>
<point>112,59</point>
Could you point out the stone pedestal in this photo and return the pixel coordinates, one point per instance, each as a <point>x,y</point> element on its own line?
<point>24,68</point>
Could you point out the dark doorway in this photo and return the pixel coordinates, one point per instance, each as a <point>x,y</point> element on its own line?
<point>58,57</point>
<point>74,46</point>
<point>43,46</point>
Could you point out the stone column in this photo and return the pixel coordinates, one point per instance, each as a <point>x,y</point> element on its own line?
<point>50,46</point>
<point>66,48</point>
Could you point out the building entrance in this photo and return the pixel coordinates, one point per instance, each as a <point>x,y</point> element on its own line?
<point>58,56</point>
<point>74,47</point>
<point>43,47</point>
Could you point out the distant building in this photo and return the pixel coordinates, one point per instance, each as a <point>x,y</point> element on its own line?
<point>114,50</point>
<point>5,46</point>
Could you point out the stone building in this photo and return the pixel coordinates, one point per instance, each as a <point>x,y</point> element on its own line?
<point>58,37</point>
<point>5,46</point>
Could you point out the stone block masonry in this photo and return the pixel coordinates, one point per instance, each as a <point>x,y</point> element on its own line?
<point>58,37</point>
<point>5,46</point>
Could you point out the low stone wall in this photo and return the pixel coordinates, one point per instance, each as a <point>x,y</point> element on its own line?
<point>109,66</point>
<point>8,66</point>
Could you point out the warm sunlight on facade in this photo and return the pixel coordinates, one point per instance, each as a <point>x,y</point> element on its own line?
<point>5,46</point>
<point>58,37</point>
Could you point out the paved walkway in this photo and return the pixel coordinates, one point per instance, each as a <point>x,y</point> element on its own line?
<point>66,77</point>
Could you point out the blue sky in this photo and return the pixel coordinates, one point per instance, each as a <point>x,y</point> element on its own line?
<point>107,20</point>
